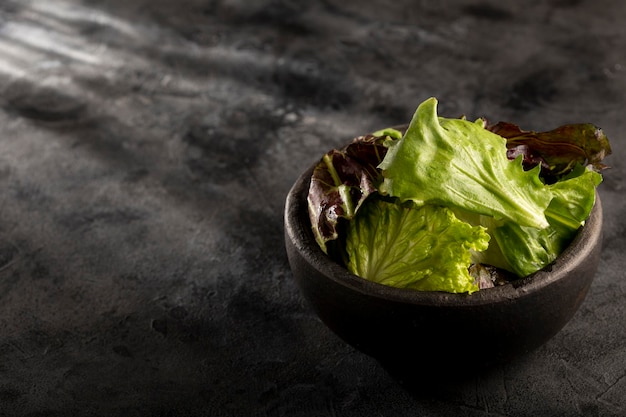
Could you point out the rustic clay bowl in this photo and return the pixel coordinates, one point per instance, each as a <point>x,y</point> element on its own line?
<point>427,331</point>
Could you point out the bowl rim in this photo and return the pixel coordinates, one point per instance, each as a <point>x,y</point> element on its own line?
<point>298,230</point>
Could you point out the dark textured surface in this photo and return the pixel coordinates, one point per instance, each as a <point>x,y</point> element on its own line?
<point>146,148</point>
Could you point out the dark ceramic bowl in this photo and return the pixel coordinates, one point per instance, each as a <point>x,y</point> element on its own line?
<point>434,330</point>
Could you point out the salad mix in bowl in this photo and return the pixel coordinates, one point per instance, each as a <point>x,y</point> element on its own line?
<point>454,205</point>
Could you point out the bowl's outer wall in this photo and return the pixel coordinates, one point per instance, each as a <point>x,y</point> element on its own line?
<point>393,329</point>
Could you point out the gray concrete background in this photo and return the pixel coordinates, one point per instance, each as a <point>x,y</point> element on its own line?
<point>146,148</point>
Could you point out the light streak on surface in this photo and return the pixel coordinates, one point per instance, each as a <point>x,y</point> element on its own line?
<point>51,42</point>
<point>73,13</point>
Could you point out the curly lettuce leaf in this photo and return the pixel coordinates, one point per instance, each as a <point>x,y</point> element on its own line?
<point>457,163</point>
<point>464,166</point>
<point>524,250</point>
<point>423,248</point>
<point>573,197</point>
<point>474,196</point>
<point>341,182</point>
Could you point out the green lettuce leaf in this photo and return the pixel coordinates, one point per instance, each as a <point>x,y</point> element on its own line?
<point>464,166</point>
<point>525,250</point>
<point>424,248</point>
<point>573,197</point>
<point>457,163</point>
<point>449,203</point>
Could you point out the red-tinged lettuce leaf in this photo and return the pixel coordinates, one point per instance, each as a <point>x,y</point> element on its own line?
<point>341,182</point>
<point>559,150</point>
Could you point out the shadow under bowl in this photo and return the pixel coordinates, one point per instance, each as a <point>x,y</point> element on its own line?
<point>435,331</point>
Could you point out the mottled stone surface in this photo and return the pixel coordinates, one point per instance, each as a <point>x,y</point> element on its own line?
<point>146,147</point>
